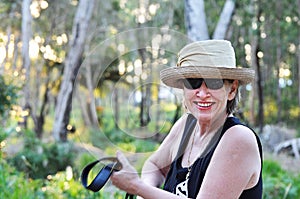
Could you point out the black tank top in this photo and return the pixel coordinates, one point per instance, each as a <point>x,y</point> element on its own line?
<point>177,174</point>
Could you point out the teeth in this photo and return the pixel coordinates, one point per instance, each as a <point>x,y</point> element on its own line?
<point>204,104</point>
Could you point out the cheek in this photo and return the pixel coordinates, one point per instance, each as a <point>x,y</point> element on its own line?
<point>188,93</point>
<point>229,93</point>
<point>221,96</point>
<point>188,96</point>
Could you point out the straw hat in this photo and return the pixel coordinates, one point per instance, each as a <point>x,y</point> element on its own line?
<point>206,59</point>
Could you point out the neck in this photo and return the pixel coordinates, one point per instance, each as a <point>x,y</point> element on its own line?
<point>211,126</point>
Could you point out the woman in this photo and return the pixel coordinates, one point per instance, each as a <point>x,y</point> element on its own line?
<point>222,158</point>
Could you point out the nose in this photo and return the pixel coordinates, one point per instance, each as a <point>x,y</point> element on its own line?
<point>202,91</point>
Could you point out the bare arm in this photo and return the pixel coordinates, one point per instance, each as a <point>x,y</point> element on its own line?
<point>128,180</point>
<point>234,167</point>
<point>154,170</point>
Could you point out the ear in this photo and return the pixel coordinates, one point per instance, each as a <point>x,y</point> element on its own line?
<point>233,90</point>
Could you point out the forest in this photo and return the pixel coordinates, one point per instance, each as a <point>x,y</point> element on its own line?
<point>79,80</point>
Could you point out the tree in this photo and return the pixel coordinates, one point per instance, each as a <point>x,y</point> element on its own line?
<point>298,54</point>
<point>26,36</point>
<point>72,64</point>
<point>224,20</point>
<point>255,63</point>
<point>277,44</point>
<point>195,20</point>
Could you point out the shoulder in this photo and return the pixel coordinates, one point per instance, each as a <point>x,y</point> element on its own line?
<point>236,164</point>
<point>175,133</point>
<point>240,135</point>
<point>239,145</point>
<point>181,120</point>
<point>168,148</point>
<point>177,128</point>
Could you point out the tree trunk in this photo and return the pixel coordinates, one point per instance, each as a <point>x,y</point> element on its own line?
<point>72,64</point>
<point>299,66</point>
<point>87,101</point>
<point>26,35</point>
<point>278,59</point>
<point>82,103</point>
<point>144,110</point>
<point>40,119</point>
<point>116,107</point>
<point>255,63</point>
<point>38,114</point>
<point>195,20</point>
<point>148,94</point>
<point>8,33</point>
<point>299,60</point>
<point>91,106</point>
<point>224,20</point>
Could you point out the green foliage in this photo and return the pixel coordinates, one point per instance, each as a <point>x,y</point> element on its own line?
<point>8,95</point>
<point>292,111</point>
<point>279,183</point>
<point>127,134</point>
<point>39,160</point>
<point>15,184</point>
<point>61,184</point>
<point>4,133</point>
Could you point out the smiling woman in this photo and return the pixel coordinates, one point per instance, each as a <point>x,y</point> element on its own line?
<point>223,158</point>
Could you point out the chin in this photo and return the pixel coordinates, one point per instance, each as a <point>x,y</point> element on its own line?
<point>203,117</point>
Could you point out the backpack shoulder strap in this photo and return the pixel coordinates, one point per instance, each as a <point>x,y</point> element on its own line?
<point>188,129</point>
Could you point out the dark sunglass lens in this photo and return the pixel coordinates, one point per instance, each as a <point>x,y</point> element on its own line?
<point>214,83</point>
<point>191,83</point>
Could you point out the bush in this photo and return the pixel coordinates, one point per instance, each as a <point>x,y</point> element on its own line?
<point>15,185</point>
<point>279,183</point>
<point>38,160</point>
<point>8,95</point>
<point>43,171</point>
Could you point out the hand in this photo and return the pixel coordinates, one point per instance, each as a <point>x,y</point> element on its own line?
<point>127,179</point>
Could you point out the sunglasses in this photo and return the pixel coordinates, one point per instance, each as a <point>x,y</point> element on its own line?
<point>194,83</point>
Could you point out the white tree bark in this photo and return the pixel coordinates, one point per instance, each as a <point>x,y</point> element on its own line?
<point>26,35</point>
<point>224,21</point>
<point>72,64</point>
<point>195,20</point>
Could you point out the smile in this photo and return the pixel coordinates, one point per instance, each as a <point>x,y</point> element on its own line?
<point>204,104</point>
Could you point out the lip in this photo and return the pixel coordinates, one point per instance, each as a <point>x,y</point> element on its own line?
<point>204,105</point>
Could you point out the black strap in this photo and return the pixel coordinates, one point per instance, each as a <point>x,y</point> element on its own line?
<point>103,175</point>
<point>188,129</point>
<point>129,196</point>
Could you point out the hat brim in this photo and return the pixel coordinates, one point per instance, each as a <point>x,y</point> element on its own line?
<point>173,76</point>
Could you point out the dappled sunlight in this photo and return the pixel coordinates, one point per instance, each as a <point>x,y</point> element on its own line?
<point>112,97</point>
<point>37,6</point>
<point>2,53</point>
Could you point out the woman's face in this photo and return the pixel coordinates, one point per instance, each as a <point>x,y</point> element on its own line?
<point>206,104</point>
